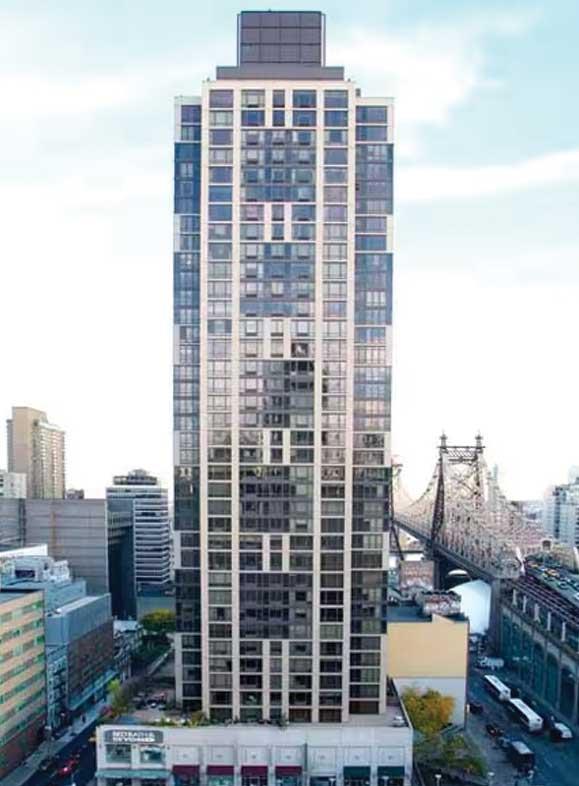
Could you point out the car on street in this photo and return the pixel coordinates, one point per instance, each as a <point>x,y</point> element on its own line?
<point>492,664</point>
<point>493,730</point>
<point>521,756</point>
<point>559,731</point>
<point>475,707</point>
<point>68,766</point>
<point>48,765</point>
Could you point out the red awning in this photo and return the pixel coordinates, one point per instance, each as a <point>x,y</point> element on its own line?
<point>281,771</point>
<point>253,771</point>
<point>187,770</point>
<point>219,769</point>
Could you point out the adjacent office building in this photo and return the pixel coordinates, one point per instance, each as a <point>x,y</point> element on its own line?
<point>78,630</point>
<point>151,524</point>
<point>22,676</point>
<point>540,635</point>
<point>12,484</point>
<point>428,650</point>
<point>282,327</point>
<point>95,537</point>
<point>36,448</point>
<point>561,511</point>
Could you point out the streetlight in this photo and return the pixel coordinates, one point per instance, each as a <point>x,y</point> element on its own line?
<point>491,777</point>
<point>438,777</point>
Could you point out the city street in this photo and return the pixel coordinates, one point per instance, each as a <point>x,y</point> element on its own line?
<point>86,769</point>
<point>84,773</point>
<point>557,764</point>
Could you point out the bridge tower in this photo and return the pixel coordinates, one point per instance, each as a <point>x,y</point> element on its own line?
<point>465,520</point>
<point>467,460</point>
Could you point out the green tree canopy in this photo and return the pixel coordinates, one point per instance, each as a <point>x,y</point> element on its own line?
<point>118,697</point>
<point>429,712</point>
<point>159,621</point>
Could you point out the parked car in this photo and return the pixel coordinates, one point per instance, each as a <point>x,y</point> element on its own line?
<point>48,765</point>
<point>475,707</point>
<point>489,663</point>
<point>521,756</point>
<point>493,730</point>
<point>559,732</point>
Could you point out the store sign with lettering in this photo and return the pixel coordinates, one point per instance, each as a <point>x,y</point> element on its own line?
<point>134,737</point>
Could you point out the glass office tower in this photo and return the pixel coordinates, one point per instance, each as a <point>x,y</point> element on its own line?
<point>283,312</point>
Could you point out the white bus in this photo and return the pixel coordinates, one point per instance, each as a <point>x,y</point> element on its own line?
<point>496,688</point>
<point>525,715</point>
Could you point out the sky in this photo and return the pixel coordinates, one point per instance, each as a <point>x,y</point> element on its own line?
<point>486,207</point>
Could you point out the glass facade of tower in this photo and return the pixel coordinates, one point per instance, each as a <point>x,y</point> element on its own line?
<point>283,310</point>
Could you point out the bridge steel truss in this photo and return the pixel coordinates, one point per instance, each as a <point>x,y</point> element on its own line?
<point>464,513</point>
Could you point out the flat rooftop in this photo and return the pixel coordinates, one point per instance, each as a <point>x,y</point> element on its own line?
<point>9,597</point>
<point>394,717</point>
<point>74,604</point>
<point>413,613</point>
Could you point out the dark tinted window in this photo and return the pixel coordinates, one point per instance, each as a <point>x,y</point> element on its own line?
<point>221,98</point>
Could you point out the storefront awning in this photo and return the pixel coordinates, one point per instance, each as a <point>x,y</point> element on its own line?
<point>281,771</point>
<point>391,772</point>
<point>254,771</point>
<point>220,769</point>
<point>356,772</point>
<point>186,770</point>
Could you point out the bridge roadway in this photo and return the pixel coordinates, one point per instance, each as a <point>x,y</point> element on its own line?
<point>456,560</point>
<point>442,554</point>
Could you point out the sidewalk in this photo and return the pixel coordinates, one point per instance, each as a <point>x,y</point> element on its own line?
<point>29,766</point>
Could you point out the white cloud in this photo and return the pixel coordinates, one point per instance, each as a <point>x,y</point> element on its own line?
<point>430,70</point>
<point>426,183</point>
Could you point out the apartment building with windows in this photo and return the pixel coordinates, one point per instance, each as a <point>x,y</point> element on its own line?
<point>561,511</point>
<point>22,676</point>
<point>36,448</point>
<point>282,328</point>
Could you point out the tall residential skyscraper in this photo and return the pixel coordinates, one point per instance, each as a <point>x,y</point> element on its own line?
<point>36,448</point>
<point>152,529</point>
<point>282,314</point>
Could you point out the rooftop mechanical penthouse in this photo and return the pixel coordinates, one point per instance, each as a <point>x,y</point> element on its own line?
<point>282,328</point>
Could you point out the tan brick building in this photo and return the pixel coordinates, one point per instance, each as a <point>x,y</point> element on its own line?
<point>22,676</point>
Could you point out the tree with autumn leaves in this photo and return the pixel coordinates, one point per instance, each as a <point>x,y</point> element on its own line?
<point>429,712</point>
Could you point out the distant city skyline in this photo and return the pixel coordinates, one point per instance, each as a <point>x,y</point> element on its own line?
<point>487,238</point>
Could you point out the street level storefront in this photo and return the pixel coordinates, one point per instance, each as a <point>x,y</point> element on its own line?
<point>255,755</point>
